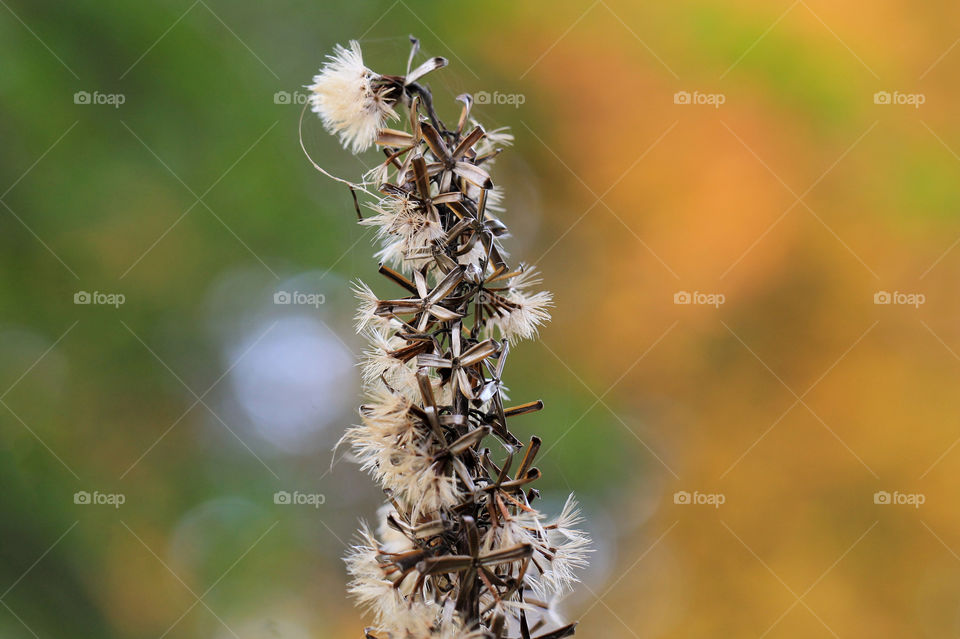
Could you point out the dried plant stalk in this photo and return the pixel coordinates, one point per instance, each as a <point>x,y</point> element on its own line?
<point>460,550</point>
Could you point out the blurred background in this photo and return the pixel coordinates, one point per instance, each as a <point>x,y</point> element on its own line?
<point>747,212</point>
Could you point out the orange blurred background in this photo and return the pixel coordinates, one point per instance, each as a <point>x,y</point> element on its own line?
<point>797,196</point>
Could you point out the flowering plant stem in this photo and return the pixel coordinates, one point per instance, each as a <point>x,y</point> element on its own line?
<point>461,550</point>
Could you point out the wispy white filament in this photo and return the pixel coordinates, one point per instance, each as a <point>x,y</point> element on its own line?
<point>345,97</point>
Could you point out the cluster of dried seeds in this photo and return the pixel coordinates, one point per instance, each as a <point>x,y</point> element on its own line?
<point>461,551</point>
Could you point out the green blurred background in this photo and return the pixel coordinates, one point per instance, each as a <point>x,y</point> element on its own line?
<point>797,199</point>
